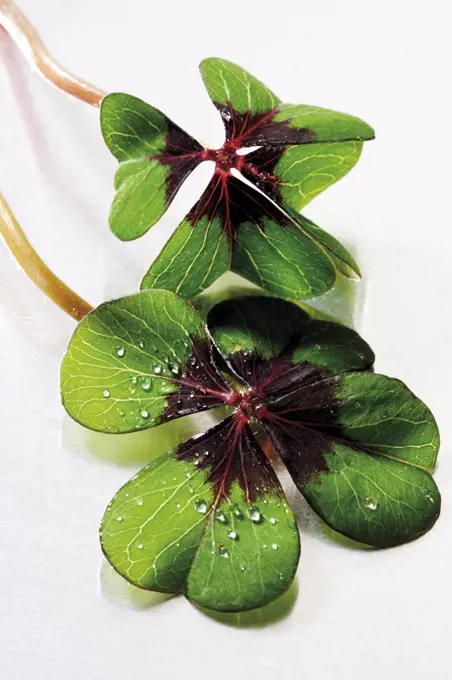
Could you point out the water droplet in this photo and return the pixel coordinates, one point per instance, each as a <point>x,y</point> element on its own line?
<point>201,506</point>
<point>273,520</point>
<point>166,388</point>
<point>178,506</point>
<point>234,535</point>
<point>121,352</point>
<point>370,503</point>
<point>236,510</point>
<point>275,546</point>
<point>220,516</point>
<point>222,551</point>
<point>264,545</point>
<point>281,576</point>
<point>134,379</point>
<point>140,546</point>
<point>242,567</point>
<point>146,384</point>
<point>428,494</point>
<point>119,518</point>
<point>141,344</point>
<point>120,412</point>
<point>174,368</point>
<point>255,515</point>
<point>157,369</point>
<point>106,393</point>
<point>140,501</point>
<point>144,414</point>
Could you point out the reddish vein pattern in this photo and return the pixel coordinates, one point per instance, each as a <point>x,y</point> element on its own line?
<point>295,403</point>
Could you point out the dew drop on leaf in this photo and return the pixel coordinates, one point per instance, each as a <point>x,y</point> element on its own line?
<point>275,546</point>
<point>370,503</point>
<point>222,551</point>
<point>146,384</point>
<point>144,414</point>
<point>106,394</point>
<point>428,494</point>
<point>273,520</point>
<point>234,535</point>
<point>157,369</point>
<point>140,546</point>
<point>174,368</point>
<point>242,567</point>
<point>255,515</point>
<point>201,506</point>
<point>139,501</point>
<point>220,516</point>
<point>119,518</point>
<point>236,511</point>
<point>121,352</point>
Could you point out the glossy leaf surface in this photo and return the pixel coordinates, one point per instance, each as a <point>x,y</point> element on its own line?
<point>294,175</point>
<point>303,149</point>
<point>156,157</point>
<point>234,226</point>
<point>359,446</point>
<point>192,259</point>
<point>137,362</point>
<point>209,519</point>
<point>263,327</point>
<point>253,115</point>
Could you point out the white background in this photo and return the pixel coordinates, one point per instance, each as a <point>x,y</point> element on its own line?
<point>63,613</point>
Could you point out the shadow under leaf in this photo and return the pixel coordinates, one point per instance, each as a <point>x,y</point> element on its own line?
<point>119,591</point>
<point>135,448</point>
<point>258,618</point>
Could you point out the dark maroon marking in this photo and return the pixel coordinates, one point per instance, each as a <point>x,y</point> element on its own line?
<point>259,167</point>
<point>247,129</point>
<point>234,202</point>
<point>301,449</point>
<point>295,403</point>
<point>182,153</point>
<point>301,419</point>
<point>297,406</point>
<point>200,385</point>
<point>230,453</point>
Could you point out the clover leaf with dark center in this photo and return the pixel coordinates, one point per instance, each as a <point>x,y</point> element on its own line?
<point>300,151</point>
<point>209,518</point>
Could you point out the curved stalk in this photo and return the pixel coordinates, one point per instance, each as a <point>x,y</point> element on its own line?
<point>28,40</point>
<point>36,269</point>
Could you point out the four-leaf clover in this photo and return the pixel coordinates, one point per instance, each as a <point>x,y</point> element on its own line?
<point>209,518</point>
<point>295,151</point>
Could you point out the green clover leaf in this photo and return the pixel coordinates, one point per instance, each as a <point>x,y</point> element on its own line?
<point>209,518</point>
<point>258,234</point>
